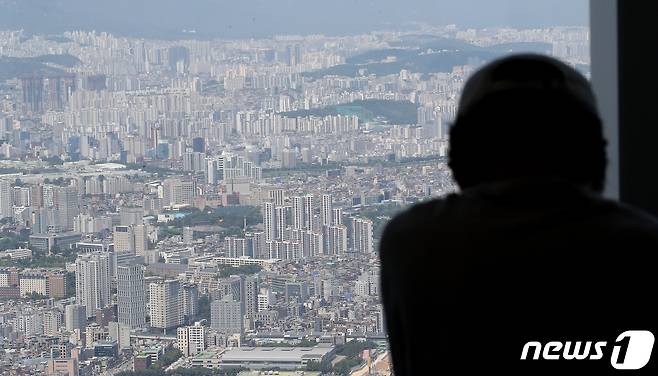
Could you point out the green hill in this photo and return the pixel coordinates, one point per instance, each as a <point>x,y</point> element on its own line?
<point>45,65</point>
<point>424,54</point>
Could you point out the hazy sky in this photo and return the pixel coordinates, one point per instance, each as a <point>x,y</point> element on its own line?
<point>255,18</point>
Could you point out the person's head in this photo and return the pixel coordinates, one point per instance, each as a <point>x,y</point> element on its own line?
<point>527,116</point>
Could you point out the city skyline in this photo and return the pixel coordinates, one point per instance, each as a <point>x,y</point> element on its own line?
<point>215,203</point>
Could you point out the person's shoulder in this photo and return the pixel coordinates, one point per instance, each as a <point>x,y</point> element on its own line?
<point>627,214</point>
<point>626,220</point>
<point>420,215</point>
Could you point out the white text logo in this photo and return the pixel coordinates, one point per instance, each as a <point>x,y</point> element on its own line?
<point>631,351</point>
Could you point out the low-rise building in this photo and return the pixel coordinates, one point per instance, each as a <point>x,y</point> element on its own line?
<point>257,358</point>
<point>33,283</point>
<point>191,339</point>
<point>63,367</point>
<point>17,254</point>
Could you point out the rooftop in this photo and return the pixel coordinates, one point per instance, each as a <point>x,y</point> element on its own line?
<point>288,354</point>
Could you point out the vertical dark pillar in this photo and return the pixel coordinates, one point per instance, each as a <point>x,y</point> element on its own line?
<point>638,103</point>
<point>605,81</point>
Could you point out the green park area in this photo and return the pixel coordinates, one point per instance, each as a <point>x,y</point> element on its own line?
<point>393,112</point>
<point>226,220</point>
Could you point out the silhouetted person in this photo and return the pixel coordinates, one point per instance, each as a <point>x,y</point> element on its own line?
<point>528,250</point>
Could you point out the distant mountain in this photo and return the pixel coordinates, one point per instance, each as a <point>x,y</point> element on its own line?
<point>46,65</point>
<point>258,18</point>
<point>418,63</point>
<point>424,54</point>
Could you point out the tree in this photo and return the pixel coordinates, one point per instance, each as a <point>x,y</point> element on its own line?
<point>55,250</point>
<point>322,367</point>
<point>170,356</point>
<point>7,220</point>
<point>35,296</point>
<point>227,270</point>
<point>352,351</point>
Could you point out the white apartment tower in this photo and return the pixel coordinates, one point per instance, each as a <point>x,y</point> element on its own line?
<point>336,240</point>
<point>251,290</point>
<point>297,213</point>
<point>165,304</point>
<point>269,221</point>
<point>131,296</point>
<point>6,199</point>
<point>280,213</point>
<point>308,212</point>
<point>337,216</point>
<point>92,281</point>
<point>66,204</point>
<point>362,238</point>
<point>276,196</point>
<point>326,210</point>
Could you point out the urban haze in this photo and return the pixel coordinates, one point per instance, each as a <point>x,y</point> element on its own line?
<point>200,187</point>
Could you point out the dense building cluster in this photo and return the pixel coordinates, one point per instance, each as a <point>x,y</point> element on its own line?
<point>219,200</point>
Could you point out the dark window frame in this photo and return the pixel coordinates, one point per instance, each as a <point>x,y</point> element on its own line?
<point>625,80</point>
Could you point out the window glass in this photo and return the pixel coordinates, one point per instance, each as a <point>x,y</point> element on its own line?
<point>185,179</point>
